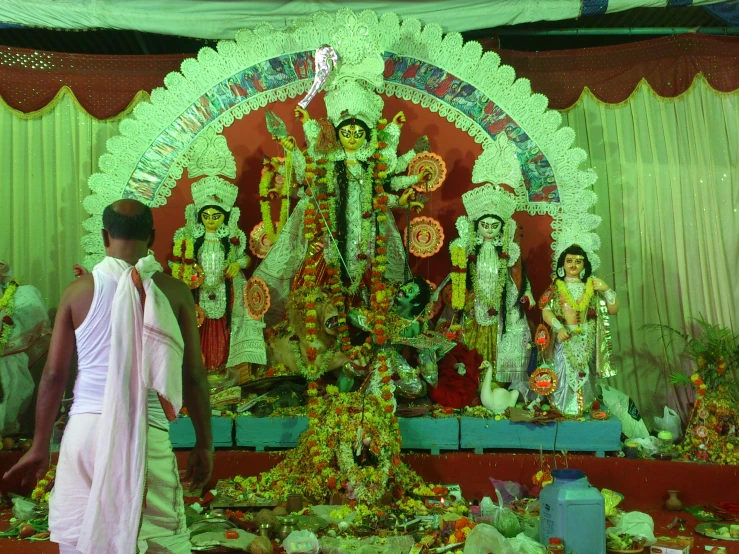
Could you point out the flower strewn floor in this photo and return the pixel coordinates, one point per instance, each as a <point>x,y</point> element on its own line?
<point>644,483</point>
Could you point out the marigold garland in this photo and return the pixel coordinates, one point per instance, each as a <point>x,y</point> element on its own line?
<point>459,276</point>
<point>183,260</point>
<point>580,306</point>
<point>7,309</point>
<point>265,184</point>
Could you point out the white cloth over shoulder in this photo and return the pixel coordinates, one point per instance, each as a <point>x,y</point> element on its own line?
<point>146,353</point>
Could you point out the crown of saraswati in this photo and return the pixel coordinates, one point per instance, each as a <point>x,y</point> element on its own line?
<point>214,191</point>
<point>489,200</point>
<point>351,99</point>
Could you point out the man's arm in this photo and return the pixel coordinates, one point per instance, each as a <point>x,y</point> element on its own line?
<point>53,382</point>
<point>196,393</point>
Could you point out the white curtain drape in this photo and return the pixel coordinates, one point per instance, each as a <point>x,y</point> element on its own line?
<point>45,162</point>
<point>668,192</point>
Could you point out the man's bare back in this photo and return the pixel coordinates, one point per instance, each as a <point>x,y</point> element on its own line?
<point>79,295</point>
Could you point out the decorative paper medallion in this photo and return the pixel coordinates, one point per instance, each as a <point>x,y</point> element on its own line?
<point>256,298</point>
<point>543,381</point>
<point>428,161</point>
<point>432,308</point>
<point>199,315</point>
<point>427,236</point>
<point>542,337</point>
<point>701,431</point>
<point>259,243</point>
<point>197,277</point>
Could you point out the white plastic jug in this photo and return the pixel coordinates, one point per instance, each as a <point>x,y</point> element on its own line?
<point>574,511</point>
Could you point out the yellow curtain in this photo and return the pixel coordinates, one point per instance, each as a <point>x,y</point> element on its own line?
<point>45,161</point>
<point>668,191</point>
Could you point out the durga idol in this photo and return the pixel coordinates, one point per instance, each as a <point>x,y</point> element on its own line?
<point>351,180</point>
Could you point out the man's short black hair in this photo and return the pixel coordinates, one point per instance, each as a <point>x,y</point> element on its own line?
<point>136,226</point>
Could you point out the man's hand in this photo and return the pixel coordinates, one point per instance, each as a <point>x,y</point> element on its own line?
<point>563,335</point>
<point>32,466</point>
<point>199,468</point>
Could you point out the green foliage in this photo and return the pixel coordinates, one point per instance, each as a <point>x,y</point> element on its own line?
<point>714,350</point>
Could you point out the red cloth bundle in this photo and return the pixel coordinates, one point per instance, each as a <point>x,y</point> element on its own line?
<point>455,390</point>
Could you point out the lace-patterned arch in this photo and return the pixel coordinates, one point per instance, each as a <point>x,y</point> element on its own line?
<point>265,65</point>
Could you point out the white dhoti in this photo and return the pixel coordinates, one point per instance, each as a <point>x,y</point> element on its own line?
<point>163,528</point>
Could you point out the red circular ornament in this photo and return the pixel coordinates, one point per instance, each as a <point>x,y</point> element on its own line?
<point>197,276</point>
<point>199,315</point>
<point>543,381</point>
<point>428,161</point>
<point>256,298</point>
<point>427,236</point>
<point>259,243</point>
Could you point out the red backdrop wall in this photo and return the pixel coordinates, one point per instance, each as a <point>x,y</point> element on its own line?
<point>249,141</point>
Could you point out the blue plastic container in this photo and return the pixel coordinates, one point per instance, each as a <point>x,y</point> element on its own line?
<point>574,511</point>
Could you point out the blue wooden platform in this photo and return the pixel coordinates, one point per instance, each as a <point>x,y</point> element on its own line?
<point>419,433</point>
<point>182,433</point>
<point>573,436</point>
<point>426,433</point>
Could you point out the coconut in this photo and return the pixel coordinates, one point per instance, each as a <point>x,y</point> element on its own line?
<point>261,545</point>
<point>266,516</point>
<point>279,511</point>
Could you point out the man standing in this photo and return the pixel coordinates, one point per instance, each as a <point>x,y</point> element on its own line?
<point>134,329</point>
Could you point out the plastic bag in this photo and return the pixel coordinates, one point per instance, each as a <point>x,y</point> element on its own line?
<point>24,509</point>
<point>636,524</point>
<point>611,500</point>
<point>505,520</point>
<point>509,489</point>
<point>624,409</point>
<point>670,421</point>
<point>301,542</point>
<point>523,544</point>
<point>484,539</point>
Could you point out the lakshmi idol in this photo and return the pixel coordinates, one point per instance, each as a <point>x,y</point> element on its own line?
<point>576,306</point>
<point>209,255</point>
<point>489,287</point>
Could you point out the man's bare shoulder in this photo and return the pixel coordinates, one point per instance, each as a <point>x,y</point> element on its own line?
<point>82,288</point>
<point>175,290</point>
<point>77,299</point>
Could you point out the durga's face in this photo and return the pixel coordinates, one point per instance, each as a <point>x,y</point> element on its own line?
<point>352,137</point>
<point>212,219</point>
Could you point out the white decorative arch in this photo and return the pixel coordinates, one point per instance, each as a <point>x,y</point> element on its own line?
<point>458,82</point>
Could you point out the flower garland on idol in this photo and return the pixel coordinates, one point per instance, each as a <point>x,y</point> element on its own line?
<point>183,260</point>
<point>7,308</point>
<point>270,176</point>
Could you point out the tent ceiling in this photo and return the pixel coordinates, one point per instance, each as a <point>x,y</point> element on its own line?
<point>114,42</point>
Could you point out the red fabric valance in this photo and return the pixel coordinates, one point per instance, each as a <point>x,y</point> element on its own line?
<point>105,85</point>
<point>612,72</point>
